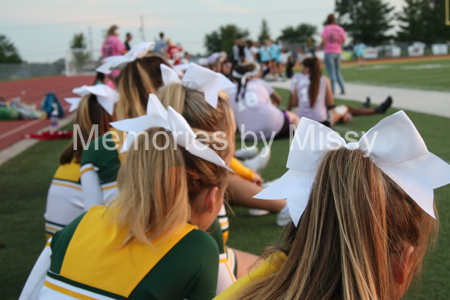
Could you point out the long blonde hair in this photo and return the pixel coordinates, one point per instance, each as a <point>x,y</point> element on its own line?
<point>89,113</point>
<point>153,198</point>
<point>136,81</point>
<point>355,219</point>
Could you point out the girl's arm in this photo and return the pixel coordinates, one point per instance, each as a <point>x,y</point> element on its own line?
<point>36,279</point>
<point>329,99</point>
<point>92,190</point>
<point>276,98</point>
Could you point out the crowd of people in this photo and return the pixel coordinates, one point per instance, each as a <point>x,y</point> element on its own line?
<point>141,212</point>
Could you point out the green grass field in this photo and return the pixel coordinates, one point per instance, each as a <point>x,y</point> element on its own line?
<point>24,182</point>
<point>425,75</point>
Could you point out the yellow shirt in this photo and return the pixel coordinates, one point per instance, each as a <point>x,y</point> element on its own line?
<point>270,266</point>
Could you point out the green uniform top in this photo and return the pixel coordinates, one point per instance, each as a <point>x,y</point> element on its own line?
<point>187,271</point>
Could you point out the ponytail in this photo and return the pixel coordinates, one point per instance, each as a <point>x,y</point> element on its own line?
<point>153,193</point>
<point>89,113</point>
<point>136,81</point>
<point>197,112</point>
<point>315,74</point>
<point>355,219</point>
<point>239,72</point>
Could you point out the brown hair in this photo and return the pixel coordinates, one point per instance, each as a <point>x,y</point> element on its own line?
<point>89,113</point>
<point>137,80</point>
<point>111,30</point>
<point>242,69</point>
<point>315,73</point>
<point>331,19</point>
<point>355,219</point>
<point>153,198</point>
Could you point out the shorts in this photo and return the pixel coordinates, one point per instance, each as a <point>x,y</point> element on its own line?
<point>285,129</point>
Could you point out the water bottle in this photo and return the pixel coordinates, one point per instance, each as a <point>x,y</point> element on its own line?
<point>54,116</point>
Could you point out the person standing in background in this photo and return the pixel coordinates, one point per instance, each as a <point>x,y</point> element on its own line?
<point>128,38</point>
<point>112,46</point>
<point>160,46</point>
<point>248,50</point>
<point>333,36</point>
<point>359,50</point>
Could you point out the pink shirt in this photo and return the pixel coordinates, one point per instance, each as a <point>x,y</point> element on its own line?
<point>112,46</point>
<point>334,36</point>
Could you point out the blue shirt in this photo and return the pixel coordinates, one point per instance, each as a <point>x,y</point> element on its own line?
<point>161,44</point>
<point>265,53</point>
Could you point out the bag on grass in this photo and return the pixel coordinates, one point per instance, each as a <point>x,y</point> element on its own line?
<point>47,106</point>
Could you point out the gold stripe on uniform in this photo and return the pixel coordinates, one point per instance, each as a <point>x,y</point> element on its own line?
<point>85,170</point>
<point>66,185</point>
<point>109,187</point>
<point>67,292</point>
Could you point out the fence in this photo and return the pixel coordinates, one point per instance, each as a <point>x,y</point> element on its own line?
<point>17,71</point>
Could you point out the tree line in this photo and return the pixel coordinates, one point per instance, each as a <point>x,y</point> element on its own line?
<point>367,21</point>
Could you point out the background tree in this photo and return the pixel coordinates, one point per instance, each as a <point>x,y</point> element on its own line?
<point>223,39</point>
<point>80,56</point>
<point>411,20</point>
<point>434,22</point>
<point>8,52</point>
<point>265,32</point>
<point>299,34</point>
<point>365,20</point>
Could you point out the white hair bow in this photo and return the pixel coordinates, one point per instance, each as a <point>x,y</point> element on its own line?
<point>394,145</point>
<point>158,116</point>
<point>120,61</point>
<point>244,76</point>
<point>106,96</point>
<point>199,78</point>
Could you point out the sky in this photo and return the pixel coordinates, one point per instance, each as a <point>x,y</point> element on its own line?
<point>42,30</point>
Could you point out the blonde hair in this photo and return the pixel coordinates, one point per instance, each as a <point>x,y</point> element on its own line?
<point>355,219</point>
<point>153,198</point>
<point>89,113</point>
<point>197,112</point>
<point>137,80</point>
<point>169,42</point>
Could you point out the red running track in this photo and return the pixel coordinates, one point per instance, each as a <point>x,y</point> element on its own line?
<point>32,91</point>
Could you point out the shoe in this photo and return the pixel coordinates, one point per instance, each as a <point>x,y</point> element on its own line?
<point>367,104</point>
<point>258,212</point>
<point>259,162</point>
<point>246,153</point>
<point>284,217</point>
<point>384,106</point>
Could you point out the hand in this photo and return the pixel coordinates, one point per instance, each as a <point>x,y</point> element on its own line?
<point>257,179</point>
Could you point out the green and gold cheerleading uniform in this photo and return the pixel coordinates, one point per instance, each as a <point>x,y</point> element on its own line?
<point>89,261</point>
<point>106,163</point>
<point>64,198</point>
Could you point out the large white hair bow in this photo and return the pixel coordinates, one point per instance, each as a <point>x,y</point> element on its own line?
<point>106,96</point>
<point>158,116</point>
<point>394,145</point>
<point>199,78</point>
<point>120,61</point>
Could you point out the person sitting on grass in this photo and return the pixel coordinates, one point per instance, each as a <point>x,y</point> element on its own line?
<point>362,216</point>
<point>65,196</point>
<point>311,93</point>
<point>150,243</point>
<point>255,105</point>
